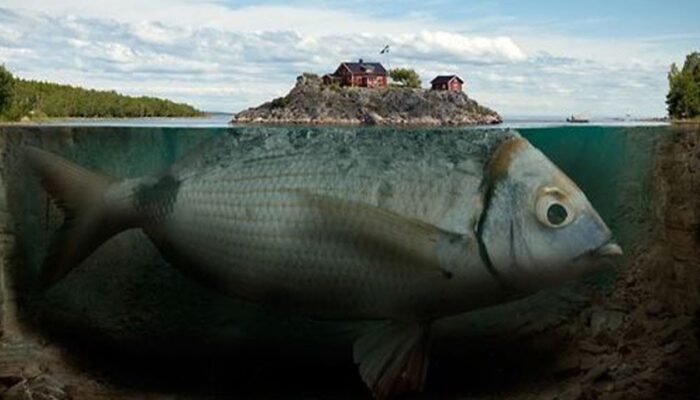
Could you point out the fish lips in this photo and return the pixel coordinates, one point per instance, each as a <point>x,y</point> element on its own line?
<point>609,249</point>
<point>601,257</point>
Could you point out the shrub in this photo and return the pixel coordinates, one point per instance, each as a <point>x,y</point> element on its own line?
<point>280,102</point>
<point>405,77</point>
<point>334,87</point>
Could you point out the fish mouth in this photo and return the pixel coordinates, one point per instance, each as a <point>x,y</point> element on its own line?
<point>606,251</point>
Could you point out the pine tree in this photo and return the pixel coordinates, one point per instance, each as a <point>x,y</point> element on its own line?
<point>6,88</point>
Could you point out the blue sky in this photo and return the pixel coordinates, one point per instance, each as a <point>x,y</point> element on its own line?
<point>543,58</point>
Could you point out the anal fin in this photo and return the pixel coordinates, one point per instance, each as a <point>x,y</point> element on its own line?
<point>393,359</point>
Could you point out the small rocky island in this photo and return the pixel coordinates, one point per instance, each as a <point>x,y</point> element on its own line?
<point>358,94</point>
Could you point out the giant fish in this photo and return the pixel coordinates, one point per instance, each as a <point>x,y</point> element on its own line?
<point>406,227</point>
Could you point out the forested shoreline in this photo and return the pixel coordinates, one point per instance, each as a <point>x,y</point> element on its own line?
<point>22,99</point>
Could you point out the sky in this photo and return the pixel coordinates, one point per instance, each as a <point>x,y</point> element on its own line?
<point>538,58</point>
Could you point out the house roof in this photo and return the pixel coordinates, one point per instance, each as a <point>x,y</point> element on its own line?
<point>368,68</point>
<point>445,79</point>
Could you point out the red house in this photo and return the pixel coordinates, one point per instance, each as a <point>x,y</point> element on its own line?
<point>452,83</point>
<point>360,74</point>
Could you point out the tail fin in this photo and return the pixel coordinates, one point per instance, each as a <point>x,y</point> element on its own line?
<point>88,222</point>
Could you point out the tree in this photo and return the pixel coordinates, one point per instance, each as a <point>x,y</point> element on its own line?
<point>6,87</point>
<point>683,98</point>
<point>405,77</point>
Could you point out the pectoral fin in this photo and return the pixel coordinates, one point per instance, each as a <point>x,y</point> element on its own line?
<point>393,359</point>
<point>414,240</point>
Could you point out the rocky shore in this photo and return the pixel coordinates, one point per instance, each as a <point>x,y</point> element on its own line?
<point>312,102</point>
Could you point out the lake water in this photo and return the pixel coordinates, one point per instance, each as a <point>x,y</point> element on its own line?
<point>126,296</point>
<point>612,164</point>
<point>224,121</point>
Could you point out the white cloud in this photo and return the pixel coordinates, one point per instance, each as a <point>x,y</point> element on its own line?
<point>501,78</point>
<point>210,14</point>
<point>459,47</point>
<point>214,68</point>
<point>157,33</point>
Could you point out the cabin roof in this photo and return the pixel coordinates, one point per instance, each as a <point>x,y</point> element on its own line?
<point>445,79</point>
<point>365,68</point>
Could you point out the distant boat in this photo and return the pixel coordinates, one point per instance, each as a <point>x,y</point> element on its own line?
<point>575,119</point>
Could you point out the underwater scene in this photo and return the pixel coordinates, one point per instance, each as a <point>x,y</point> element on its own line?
<point>128,321</point>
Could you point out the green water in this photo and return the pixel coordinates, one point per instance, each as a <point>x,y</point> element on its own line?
<point>126,295</point>
<point>612,165</point>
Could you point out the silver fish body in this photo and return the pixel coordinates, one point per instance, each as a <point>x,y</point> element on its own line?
<point>247,220</point>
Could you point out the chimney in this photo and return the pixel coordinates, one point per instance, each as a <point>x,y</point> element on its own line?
<point>360,60</point>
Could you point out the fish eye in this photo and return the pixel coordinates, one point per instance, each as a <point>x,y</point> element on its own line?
<point>556,214</point>
<point>552,210</point>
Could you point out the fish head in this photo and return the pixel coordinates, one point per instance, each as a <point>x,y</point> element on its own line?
<point>538,229</point>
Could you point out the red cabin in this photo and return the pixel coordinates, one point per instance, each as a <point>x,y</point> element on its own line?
<point>360,74</point>
<point>452,83</point>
